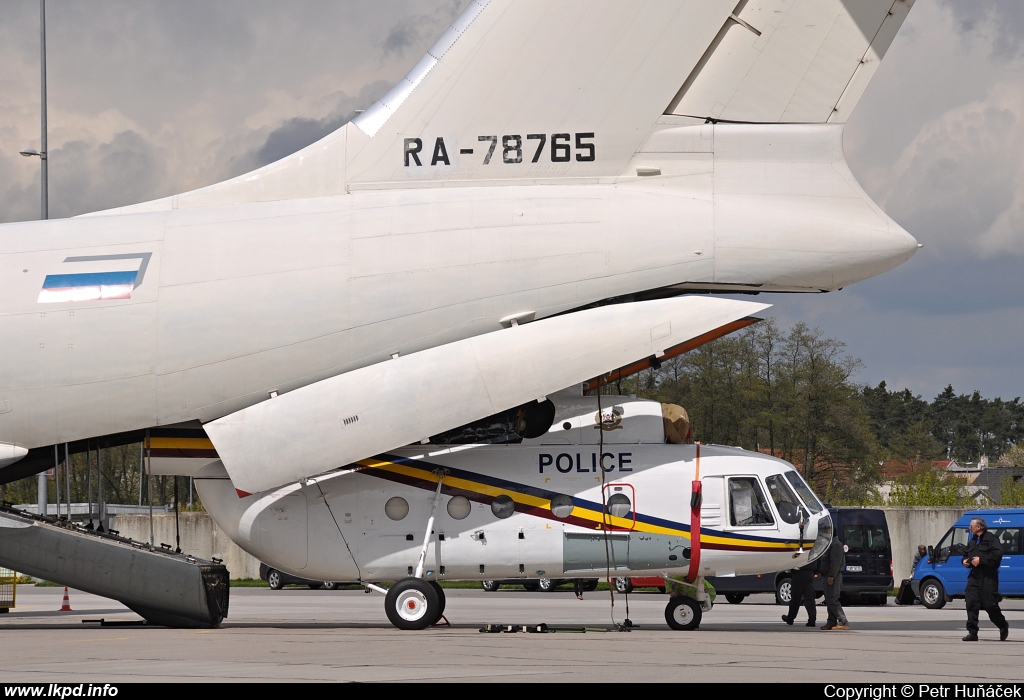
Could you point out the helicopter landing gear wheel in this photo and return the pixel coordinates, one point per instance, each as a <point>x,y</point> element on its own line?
<point>412,604</point>
<point>440,600</point>
<point>683,613</point>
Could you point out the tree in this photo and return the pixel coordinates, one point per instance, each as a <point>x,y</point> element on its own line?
<point>972,426</point>
<point>1011,492</point>
<point>929,488</point>
<point>1013,457</point>
<point>790,395</point>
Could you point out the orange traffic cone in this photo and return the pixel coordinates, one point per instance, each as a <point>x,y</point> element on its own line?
<point>66,605</point>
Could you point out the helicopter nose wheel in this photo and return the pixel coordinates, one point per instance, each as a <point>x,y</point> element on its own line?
<point>412,604</point>
<point>683,613</point>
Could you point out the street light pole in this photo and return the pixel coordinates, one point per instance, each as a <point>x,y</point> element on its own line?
<point>42,92</point>
<point>42,497</point>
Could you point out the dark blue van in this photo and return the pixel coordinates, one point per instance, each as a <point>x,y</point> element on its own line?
<point>941,576</point>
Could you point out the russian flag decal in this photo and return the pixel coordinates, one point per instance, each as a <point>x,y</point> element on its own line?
<point>95,278</point>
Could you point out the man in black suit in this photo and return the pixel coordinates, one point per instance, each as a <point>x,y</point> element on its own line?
<point>982,557</point>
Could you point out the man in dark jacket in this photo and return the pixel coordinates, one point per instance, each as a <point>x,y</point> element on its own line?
<point>982,557</point>
<point>802,593</point>
<point>831,566</point>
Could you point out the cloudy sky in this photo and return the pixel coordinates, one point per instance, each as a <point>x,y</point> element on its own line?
<point>151,97</point>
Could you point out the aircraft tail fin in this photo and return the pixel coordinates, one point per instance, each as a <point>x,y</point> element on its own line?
<point>532,89</point>
<point>535,91</point>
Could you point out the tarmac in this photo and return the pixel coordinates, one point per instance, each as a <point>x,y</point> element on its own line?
<point>302,635</point>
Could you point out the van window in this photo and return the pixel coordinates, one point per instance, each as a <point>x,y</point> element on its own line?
<point>954,543</point>
<point>865,539</point>
<point>785,500</point>
<point>747,503</point>
<point>1009,539</point>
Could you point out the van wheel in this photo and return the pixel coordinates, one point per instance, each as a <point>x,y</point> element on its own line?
<point>546,585</point>
<point>735,598</point>
<point>490,586</point>
<point>275,580</point>
<point>623,584</point>
<point>784,591</point>
<point>933,595</point>
<point>683,613</point>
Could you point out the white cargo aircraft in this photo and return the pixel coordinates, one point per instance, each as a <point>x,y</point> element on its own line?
<point>527,210</point>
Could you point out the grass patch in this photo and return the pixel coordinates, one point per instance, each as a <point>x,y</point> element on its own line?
<point>247,583</point>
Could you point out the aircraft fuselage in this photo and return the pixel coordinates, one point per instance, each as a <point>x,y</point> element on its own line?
<point>135,320</point>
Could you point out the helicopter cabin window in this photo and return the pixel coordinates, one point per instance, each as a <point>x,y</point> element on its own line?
<point>785,500</point>
<point>503,507</point>
<point>459,507</point>
<point>561,506</point>
<point>396,508</point>
<point>747,503</point>
<point>619,505</point>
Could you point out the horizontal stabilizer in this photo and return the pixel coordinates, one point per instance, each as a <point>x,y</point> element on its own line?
<point>340,420</point>
<point>795,61</point>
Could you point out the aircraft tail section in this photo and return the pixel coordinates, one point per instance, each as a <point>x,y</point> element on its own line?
<point>528,89</point>
<point>534,92</point>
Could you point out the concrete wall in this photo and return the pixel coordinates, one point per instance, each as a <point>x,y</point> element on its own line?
<point>909,526</point>
<point>200,537</point>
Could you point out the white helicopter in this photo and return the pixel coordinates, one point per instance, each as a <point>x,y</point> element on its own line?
<point>569,490</point>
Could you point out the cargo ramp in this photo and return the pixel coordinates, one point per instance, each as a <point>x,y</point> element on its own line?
<point>165,587</point>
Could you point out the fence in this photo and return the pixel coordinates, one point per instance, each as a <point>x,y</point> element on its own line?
<point>8,589</point>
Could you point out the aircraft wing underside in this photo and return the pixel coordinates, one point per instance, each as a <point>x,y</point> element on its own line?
<point>340,420</point>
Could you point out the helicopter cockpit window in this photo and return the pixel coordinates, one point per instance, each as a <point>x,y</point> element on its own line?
<point>747,503</point>
<point>805,492</point>
<point>785,500</point>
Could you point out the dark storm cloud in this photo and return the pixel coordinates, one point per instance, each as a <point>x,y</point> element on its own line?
<point>296,133</point>
<point>402,36</point>
<point>89,177</point>
<point>293,135</point>
<point>211,89</point>
<point>410,31</point>
<point>959,179</point>
<point>18,201</point>
<point>1003,20</point>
